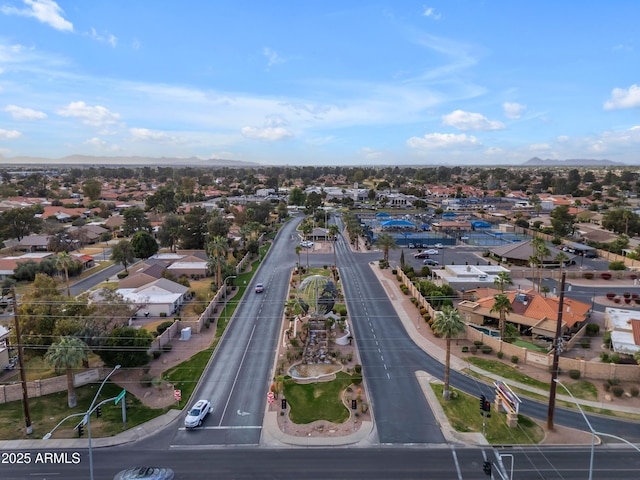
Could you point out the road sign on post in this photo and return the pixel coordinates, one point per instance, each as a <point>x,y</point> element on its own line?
<point>177,395</point>
<point>120,396</point>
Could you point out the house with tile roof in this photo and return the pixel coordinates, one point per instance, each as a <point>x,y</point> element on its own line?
<point>532,313</point>
<point>158,298</point>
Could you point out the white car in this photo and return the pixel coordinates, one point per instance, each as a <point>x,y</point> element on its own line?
<point>197,414</point>
<point>431,251</point>
<point>438,245</point>
<point>306,244</point>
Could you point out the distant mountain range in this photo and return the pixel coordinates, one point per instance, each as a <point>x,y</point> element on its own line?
<point>572,162</point>
<point>89,160</point>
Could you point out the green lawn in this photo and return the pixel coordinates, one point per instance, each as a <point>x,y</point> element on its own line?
<point>318,401</point>
<point>464,415</point>
<point>48,410</point>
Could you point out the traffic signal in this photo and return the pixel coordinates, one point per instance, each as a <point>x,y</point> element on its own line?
<point>284,404</point>
<point>483,399</point>
<point>99,411</point>
<point>487,406</point>
<point>486,467</point>
<point>80,430</point>
<point>354,404</point>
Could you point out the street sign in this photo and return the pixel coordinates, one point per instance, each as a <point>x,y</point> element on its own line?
<point>177,395</point>
<point>120,396</point>
<point>270,397</point>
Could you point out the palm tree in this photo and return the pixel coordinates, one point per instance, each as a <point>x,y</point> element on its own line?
<point>217,252</point>
<point>333,231</point>
<point>541,251</point>
<point>307,228</point>
<point>68,353</point>
<point>447,324</point>
<point>386,242</point>
<point>560,258</point>
<point>501,305</point>
<point>63,262</point>
<point>502,280</point>
<point>298,250</point>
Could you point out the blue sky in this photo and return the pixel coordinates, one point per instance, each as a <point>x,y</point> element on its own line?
<point>322,82</point>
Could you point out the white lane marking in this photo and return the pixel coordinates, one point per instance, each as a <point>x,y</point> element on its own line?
<point>235,380</point>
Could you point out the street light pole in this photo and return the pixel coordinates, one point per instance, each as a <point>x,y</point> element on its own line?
<point>88,418</point>
<point>224,286</point>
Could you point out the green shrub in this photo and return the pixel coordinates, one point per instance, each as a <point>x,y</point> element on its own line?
<point>585,343</point>
<point>146,368</point>
<point>514,359</point>
<point>607,339</point>
<point>356,379</point>
<point>592,329</point>
<point>606,386</point>
<point>617,391</point>
<point>357,368</point>
<point>473,348</point>
<point>617,265</point>
<point>163,327</point>
<point>634,391</point>
<point>613,381</point>
<point>163,314</point>
<point>167,347</point>
<point>465,349</point>
<point>122,275</point>
<point>486,349</point>
<point>574,374</point>
<point>156,353</point>
<point>604,357</point>
<point>477,343</point>
<point>500,355</point>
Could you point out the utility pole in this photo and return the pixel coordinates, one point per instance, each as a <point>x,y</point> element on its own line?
<point>23,378</point>
<point>556,355</point>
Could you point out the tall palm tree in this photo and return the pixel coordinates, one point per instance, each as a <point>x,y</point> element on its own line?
<point>386,242</point>
<point>560,258</point>
<point>501,305</point>
<point>307,228</point>
<point>333,231</point>
<point>541,251</point>
<point>502,280</point>
<point>68,353</point>
<point>217,253</point>
<point>447,324</point>
<point>63,262</point>
<point>298,250</point>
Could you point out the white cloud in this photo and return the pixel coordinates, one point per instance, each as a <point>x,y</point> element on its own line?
<point>9,134</point>
<point>136,44</point>
<point>443,140</point>
<point>45,11</point>
<point>621,98</point>
<point>272,57</point>
<point>103,38</point>
<point>539,147</point>
<point>431,13</point>
<point>470,121</point>
<point>96,116</point>
<point>95,142</point>
<point>370,153</point>
<point>270,134</point>
<point>19,113</point>
<point>513,110</point>
<point>146,135</point>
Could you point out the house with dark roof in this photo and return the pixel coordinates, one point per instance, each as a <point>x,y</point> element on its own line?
<point>142,275</point>
<point>519,253</point>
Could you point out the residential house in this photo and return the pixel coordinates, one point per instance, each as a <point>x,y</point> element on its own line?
<point>161,297</point>
<point>142,275</point>
<point>624,326</point>
<point>533,313</point>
